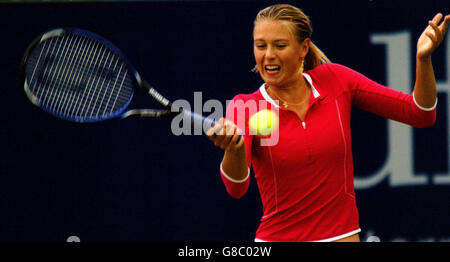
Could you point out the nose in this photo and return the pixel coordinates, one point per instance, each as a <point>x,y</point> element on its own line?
<point>270,52</point>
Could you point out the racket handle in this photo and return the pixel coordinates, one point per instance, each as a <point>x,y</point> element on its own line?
<point>200,121</point>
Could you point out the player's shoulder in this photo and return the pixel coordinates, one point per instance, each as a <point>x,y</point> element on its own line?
<point>328,74</point>
<point>331,78</point>
<point>327,68</point>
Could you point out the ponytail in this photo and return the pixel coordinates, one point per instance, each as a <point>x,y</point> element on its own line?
<point>314,58</point>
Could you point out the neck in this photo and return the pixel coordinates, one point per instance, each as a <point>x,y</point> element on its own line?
<point>294,94</point>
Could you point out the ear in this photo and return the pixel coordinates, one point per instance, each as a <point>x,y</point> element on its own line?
<point>304,48</point>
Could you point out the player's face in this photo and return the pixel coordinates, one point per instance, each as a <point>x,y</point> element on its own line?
<point>277,53</point>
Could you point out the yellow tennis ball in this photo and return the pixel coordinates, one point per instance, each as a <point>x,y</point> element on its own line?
<point>263,123</point>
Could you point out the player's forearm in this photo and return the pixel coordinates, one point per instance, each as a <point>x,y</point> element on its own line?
<point>234,163</point>
<point>425,86</point>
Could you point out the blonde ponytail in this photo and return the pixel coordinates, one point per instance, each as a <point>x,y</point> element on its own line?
<point>314,58</point>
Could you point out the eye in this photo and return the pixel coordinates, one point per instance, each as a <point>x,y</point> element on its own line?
<point>260,46</point>
<point>281,46</point>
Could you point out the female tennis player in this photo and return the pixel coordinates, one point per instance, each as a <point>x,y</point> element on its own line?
<point>306,179</point>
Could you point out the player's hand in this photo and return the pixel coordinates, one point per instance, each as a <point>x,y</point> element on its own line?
<point>226,135</point>
<point>433,36</point>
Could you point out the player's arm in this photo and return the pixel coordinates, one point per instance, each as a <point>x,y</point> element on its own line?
<point>226,136</point>
<point>425,87</point>
<point>234,168</point>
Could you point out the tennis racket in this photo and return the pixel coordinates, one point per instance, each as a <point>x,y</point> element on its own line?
<point>79,76</point>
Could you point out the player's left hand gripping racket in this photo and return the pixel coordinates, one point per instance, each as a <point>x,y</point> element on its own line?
<point>79,76</point>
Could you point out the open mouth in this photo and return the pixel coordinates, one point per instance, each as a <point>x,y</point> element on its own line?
<point>272,68</point>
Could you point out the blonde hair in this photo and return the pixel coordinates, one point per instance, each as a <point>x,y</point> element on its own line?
<point>301,27</point>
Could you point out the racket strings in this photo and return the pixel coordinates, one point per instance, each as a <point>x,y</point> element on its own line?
<point>92,52</point>
<point>61,94</point>
<point>93,84</point>
<point>49,60</point>
<point>73,100</point>
<point>78,77</point>
<point>77,60</point>
<point>57,75</point>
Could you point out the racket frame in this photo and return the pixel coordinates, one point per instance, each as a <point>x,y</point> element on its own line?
<point>122,112</point>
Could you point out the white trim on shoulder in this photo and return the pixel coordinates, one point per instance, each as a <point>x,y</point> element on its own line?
<point>266,96</point>
<point>424,108</point>
<point>314,90</point>
<point>232,179</point>
<point>325,240</point>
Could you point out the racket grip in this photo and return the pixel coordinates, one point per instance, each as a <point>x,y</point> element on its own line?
<point>201,121</point>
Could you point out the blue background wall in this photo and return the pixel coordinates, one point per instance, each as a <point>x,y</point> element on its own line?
<point>132,180</point>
